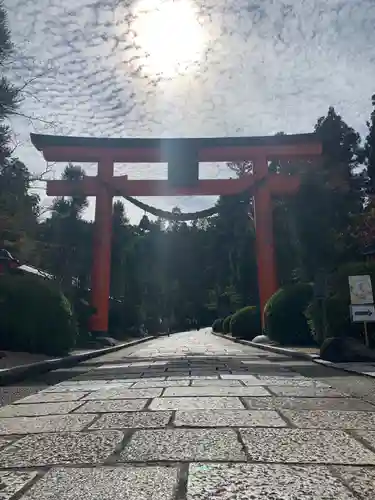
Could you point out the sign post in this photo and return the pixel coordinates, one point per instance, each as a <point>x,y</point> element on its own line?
<point>362,309</point>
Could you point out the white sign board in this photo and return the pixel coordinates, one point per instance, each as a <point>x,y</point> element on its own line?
<point>362,314</point>
<point>360,290</point>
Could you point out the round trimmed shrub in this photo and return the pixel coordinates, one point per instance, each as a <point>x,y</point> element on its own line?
<point>35,316</point>
<point>226,324</point>
<point>284,315</point>
<point>331,319</point>
<point>217,325</point>
<point>245,323</point>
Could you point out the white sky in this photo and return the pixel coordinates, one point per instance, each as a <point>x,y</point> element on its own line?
<point>161,68</point>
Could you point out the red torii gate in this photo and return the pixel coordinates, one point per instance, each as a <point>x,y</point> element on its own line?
<point>105,152</point>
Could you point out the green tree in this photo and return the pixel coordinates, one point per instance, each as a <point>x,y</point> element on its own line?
<point>67,237</point>
<point>18,209</point>
<point>370,148</point>
<point>317,218</point>
<point>120,235</point>
<point>9,94</point>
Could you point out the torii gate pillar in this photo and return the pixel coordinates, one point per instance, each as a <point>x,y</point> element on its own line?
<point>102,243</point>
<point>105,152</point>
<point>264,236</point>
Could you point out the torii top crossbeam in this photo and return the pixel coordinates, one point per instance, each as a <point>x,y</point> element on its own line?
<point>210,149</point>
<point>106,152</point>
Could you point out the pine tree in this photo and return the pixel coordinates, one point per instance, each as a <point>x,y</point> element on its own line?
<point>8,93</point>
<point>370,148</point>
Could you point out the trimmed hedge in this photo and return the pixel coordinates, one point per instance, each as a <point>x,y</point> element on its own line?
<point>226,324</point>
<point>217,325</point>
<point>35,316</point>
<point>284,315</point>
<point>245,323</point>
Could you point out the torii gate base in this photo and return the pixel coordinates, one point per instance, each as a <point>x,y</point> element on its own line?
<point>260,150</point>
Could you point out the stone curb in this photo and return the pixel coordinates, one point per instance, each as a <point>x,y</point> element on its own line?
<point>337,366</point>
<point>271,348</point>
<point>295,354</point>
<point>20,372</point>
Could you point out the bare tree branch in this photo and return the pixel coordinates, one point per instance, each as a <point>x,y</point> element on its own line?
<point>41,177</point>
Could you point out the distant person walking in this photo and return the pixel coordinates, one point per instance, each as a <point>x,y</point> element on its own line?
<point>168,327</point>
<point>143,330</point>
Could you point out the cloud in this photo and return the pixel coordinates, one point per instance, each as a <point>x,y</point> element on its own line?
<point>266,66</point>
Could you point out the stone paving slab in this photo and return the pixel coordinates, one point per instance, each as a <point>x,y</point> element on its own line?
<point>289,375</point>
<point>256,362</point>
<point>123,366</point>
<point>367,436</point>
<point>306,392</point>
<point>112,406</point>
<point>109,448</point>
<point>147,383</point>
<point>78,383</point>
<point>215,391</point>
<point>196,403</point>
<point>49,423</point>
<point>264,482</point>
<point>212,383</point>
<point>318,419</point>
<point>254,370</point>
<point>38,450</point>
<point>207,377</point>
<point>130,377</point>
<point>296,363</point>
<point>118,385</point>
<point>151,374</point>
<point>104,394</point>
<point>360,479</point>
<point>250,379</point>
<point>305,446</point>
<point>25,410</point>
<point>106,483</point>
<point>183,445</point>
<point>358,368</point>
<point>229,418</point>
<point>12,482</point>
<point>5,441</point>
<point>133,420</point>
<point>12,393</point>
<point>133,381</point>
<point>52,397</point>
<point>76,388</point>
<point>290,381</point>
<point>300,403</point>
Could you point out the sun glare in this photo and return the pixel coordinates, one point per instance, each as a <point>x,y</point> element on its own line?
<point>169,36</point>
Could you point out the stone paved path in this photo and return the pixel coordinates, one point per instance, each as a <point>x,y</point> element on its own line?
<point>191,417</point>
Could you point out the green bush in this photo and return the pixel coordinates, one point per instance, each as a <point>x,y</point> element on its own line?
<point>82,313</point>
<point>284,315</point>
<point>217,325</point>
<point>245,323</point>
<point>35,316</point>
<point>226,324</point>
<point>122,317</point>
<point>337,319</point>
<point>335,308</point>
